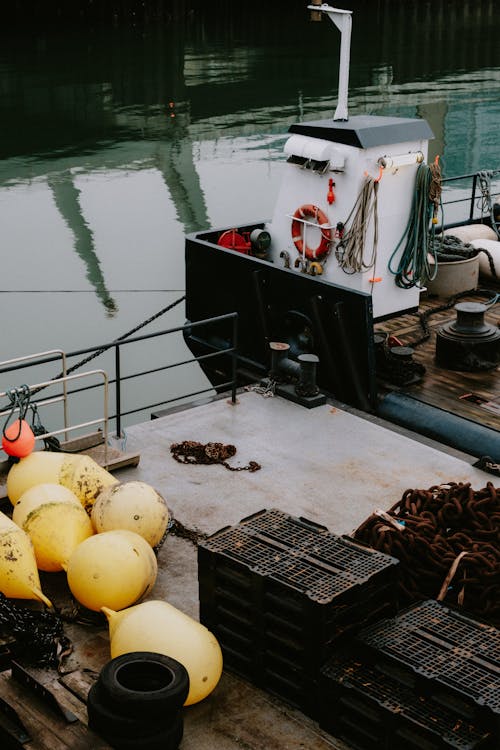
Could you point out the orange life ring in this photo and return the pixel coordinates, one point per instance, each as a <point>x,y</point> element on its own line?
<point>310,211</point>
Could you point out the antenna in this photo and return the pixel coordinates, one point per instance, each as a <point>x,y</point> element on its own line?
<point>343,21</point>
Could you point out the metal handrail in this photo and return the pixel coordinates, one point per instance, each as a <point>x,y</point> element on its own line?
<point>50,356</point>
<point>473,196</point>
<point>63,398</point>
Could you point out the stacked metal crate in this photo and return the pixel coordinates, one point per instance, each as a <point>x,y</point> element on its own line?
<point>428,678</point>
<point>278,592</point>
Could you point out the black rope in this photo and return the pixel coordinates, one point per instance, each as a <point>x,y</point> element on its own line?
<point>19,400</point>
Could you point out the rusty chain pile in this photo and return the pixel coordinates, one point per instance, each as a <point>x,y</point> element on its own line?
<point>191,452</point>
<point>447,539</point>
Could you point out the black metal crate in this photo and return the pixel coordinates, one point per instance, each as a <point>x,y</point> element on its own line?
<point>441,653</point>
<point>369,709</point>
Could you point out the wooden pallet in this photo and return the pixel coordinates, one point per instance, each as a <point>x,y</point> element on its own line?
<point>47,727</point>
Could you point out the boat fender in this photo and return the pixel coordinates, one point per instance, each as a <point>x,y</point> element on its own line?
<point>309,211</point>
<point>489,257</point>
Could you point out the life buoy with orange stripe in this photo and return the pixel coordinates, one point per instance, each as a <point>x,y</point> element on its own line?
<point>313,212</point>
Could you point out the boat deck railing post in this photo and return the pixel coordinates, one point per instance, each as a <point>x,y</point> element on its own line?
<point>118,395</point>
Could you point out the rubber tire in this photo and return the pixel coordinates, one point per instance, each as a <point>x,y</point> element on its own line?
<point>118,676</point>
<point>163,739</point>
<point>104,720</point>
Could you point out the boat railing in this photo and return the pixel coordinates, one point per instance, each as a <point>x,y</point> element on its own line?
<point>116,378</point>
<point>470,192</point>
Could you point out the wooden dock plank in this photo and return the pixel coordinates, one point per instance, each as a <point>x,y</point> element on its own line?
<point>49,731</point>
<point>441,387</point>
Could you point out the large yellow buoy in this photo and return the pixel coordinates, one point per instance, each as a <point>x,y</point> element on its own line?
<point>55,521</point>
<point>39,495</point>
<point>19,577</point>
<point>158,626</point>
<point>135,506</point>
<point>114,569</point>
<point>78,472</point>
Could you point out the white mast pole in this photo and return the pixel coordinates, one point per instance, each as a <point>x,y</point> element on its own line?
<point>343,21</point>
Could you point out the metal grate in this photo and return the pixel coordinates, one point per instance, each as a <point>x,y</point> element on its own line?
<point>442,648</point>
<point>348,682</point>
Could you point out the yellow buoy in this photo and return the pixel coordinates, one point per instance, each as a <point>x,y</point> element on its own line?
<point>39,467</point>
<point>114,569</point>
<point>79,473</point>
<point>83,476</point>
<point>19,577</point>
<point>135,506</point>
<point>158,626</point>
<point>56,530</point>
<point>39,495</point>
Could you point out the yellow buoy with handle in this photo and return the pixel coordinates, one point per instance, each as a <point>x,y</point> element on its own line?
<point>19,577</point>
<point>162,628</point>
<point>78,472</point>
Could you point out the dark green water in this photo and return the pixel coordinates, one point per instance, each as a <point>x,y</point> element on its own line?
<point>120,131</point>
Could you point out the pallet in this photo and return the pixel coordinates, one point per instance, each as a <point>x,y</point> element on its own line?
<point>38,725</point>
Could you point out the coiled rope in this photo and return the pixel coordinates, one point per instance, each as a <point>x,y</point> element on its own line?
<point>414,267</point>
<point>351,250</point>
<point>447,539</point>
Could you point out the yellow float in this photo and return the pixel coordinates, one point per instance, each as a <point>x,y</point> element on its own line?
<point>55,521</point>
<point>114,569</point>
<point>19,577</point>
<point>78,472</point>
<point>135,506</point>
<point>159,627</point>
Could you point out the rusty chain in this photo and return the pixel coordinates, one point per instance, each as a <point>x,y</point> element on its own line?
<point>191,452</point>
<point>448,545</point>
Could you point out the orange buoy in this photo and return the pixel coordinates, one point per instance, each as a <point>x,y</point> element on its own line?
<point>18,439</point>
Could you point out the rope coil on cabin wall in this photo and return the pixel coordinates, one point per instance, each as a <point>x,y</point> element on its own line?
<point>414,267</point>
<point>350,251</point>
<point>447,539</point>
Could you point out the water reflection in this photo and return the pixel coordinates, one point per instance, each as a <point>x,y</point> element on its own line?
<point>117,139</point>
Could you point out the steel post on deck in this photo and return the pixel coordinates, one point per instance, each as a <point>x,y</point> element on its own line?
<point>118,395</point>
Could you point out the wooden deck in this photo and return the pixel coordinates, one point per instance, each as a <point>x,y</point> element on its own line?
<point>473,395</point>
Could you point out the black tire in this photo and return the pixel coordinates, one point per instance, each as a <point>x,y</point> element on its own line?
<point>144,684</point>
<point>105,721</point>
<point>162,739</point>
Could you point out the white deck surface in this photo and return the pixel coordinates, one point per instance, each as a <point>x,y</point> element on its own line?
<point>324,464</point>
